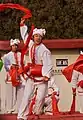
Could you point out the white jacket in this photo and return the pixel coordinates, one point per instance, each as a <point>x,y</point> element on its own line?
<point>42,54</point>
<point>76,77</point>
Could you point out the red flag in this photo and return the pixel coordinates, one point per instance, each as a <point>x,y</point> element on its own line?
<point>67,72</point>
<point>79,68</point>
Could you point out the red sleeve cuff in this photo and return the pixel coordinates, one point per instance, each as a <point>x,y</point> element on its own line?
<point>74,89</point>
<point>21,24</point>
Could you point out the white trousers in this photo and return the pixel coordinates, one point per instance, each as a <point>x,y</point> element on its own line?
<point>29,89</point>
<point>10,97</point>
<point>19,96</point>
<point>80,95</point>
<point>13,97</point>
<point>48,103</point>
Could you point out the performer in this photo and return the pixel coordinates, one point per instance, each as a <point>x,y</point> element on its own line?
<point>12,61</point>
<point>77,83</point>
<point>52,89</point>
<point>38,55</point>
<point>74,74</point>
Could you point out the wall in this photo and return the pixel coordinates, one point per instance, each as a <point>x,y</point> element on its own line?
<point>65,87</point>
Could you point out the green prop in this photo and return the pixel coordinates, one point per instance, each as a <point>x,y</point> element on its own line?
<point>1,64</point>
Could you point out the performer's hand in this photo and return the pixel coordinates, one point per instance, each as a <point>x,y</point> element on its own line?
<point>22,21</point>
<point>45,78</point>
<point>15,66</point>
<point>6,81</point>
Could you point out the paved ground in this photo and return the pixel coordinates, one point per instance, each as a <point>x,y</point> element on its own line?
<point>61,116</point>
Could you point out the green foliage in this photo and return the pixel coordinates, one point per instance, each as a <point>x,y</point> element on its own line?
<point>60,18</point>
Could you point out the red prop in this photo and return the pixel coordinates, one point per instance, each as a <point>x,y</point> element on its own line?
<point>36,70</point>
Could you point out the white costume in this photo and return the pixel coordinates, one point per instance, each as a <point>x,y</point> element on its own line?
<point>76,78</point>
<point>52,87</point>
<point>42,57</point>
<point>13,94</point>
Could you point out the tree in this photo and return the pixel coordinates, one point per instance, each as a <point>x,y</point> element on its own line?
<point>60,18</point>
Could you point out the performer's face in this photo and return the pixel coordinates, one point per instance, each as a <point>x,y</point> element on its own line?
<point>14,47</point>
<point>37,39</point>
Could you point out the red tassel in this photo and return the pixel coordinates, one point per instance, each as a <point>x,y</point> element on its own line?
<point>32,103</point>
<point>72,110</point>
<point>54,105</point>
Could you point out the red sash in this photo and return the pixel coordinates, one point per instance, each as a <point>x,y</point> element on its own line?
<point>14,76</point>
<point>33,53</point>
<point>15,79</point>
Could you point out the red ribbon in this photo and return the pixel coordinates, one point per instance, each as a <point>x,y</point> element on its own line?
<point>18,7</point>
<point>24,49</point>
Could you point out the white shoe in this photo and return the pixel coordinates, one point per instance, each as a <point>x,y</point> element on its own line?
<point>9,112</point>
<point>81,112</point>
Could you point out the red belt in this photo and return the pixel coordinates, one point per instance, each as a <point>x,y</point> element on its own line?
<point>80,92</point>
<point>8,81</point>
<point>35,80</point>
<point>49,111</point>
